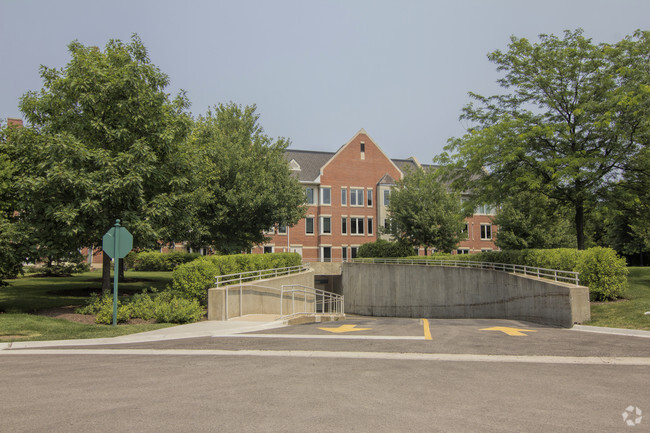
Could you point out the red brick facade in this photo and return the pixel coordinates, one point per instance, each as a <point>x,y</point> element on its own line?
<point>348,205</point>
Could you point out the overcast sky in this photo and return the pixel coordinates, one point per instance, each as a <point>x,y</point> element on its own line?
<point>318,71</point>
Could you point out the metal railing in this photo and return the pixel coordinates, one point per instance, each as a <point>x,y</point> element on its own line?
<point>241,277</point>
<point>304,300</point>
<point>324,302</point>
<point>554,274</point>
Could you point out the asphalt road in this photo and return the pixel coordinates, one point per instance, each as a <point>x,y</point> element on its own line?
<point>360,375</point>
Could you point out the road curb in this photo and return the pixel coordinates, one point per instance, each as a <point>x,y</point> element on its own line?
<point>612,331</point>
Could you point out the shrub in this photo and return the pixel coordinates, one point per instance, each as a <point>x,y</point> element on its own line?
<point>384,248</point>
<point>105,311</point>
<point>603,272</point>
<point>172,309</point>
<point>192,280</point>
<point>154,261</point>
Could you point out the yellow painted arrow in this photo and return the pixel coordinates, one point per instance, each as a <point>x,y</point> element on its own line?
<point>344,328</point>
<point>510,331</point>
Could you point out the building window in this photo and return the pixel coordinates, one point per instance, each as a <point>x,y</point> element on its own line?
<point>353,251</point>
<point>326,225</point>
<point>344,225</point>
<point>462,251</point>
<point>344,253</point>
<point>326,254</point>
<point>386,197</point>
<point>485,209</point>
<point>326,195</point>
<point>369,198</point>
<point>344,196</point>
<point>486,232</point>
<point>268,250</point>
<point>486,250</point>
<point>356,197</point>
<point>356,226</point>
<point>309,225</point>
<point>369,226</point>
<point>362,147</point>
<point>310,195</point>
<point>282,230</point>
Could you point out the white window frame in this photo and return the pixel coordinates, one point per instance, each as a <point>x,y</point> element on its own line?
<point>355,224</point>
<point>313,229</point>
<point>344,196</point>
<point>369,197</point>
<point>386,197</point>
<point>486,238</point>
<point>322,195</point>
<point>355,192</point>
<point>314,195</point>
<point>344,225</point>
<point>322,224</point>
<point>369,227</point>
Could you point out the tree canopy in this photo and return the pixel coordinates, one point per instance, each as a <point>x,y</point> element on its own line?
<point>101,144</point>
<point>244,184</point>
<point>573,116</point>
<point>423,213</point>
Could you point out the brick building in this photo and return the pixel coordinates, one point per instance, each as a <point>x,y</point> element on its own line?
<point>347,194</point>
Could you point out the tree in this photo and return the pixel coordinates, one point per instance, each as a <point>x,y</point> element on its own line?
<point>245,184</point>
<point>423,213</point>
<point>576,114</point>
<point>527,220</point>
<point>102,144</point>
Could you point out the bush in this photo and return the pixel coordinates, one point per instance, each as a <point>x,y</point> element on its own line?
<point>192,280</point>
<point>603,272</point>
<point>154,261</point>
<point>600,269</point>
<point>172,309</point>
<point>384,248</point>
<point>164,307</point>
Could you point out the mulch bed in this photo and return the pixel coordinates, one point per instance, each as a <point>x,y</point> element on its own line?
<point>67,313</point>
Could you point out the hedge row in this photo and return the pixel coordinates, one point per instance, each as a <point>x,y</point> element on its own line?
<point>192,280</point>
<point>600,269</point>
<point>164,307</point>
<point>384,248</point>
<point>157,261</point>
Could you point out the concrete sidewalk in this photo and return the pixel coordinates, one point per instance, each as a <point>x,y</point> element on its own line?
<point>208,328</point>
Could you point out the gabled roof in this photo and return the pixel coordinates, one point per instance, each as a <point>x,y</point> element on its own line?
<point>310,163</point>
<point>387,179</point>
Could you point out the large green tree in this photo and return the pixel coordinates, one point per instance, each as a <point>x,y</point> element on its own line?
<point>528,220</point>
<point>101,143</point>
<point>244,181</point>
<point>572,116</point>
<point>423,213</point>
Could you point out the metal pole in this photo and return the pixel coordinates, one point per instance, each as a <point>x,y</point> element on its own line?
<point>116,268</point>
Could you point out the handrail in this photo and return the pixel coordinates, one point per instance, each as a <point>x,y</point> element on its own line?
<point>313,300</point>
<point>238,278</point>
<point>555,274</point>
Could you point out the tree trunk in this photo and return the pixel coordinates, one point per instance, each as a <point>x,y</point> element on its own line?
<point>580,225</point>
<point>106,274</point>
<point>121,271</point>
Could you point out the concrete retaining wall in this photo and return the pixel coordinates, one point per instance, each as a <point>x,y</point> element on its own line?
<point>451,292</point>
<point>254,297</point>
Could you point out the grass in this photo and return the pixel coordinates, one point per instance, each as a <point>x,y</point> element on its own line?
<point>627,313</point>
<point>31,293</point>
<point>30,327</point>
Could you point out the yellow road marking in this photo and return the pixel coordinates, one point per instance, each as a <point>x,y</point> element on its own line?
<point>344,328</point>
<point>427,331</point>
<point>516,332</point>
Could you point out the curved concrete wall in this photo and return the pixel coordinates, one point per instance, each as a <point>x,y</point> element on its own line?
<point>451,292</point>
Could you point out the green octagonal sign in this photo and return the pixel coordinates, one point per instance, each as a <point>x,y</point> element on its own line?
<point>117,242</point>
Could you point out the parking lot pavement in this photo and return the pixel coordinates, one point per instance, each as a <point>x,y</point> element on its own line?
<point>404,335</point>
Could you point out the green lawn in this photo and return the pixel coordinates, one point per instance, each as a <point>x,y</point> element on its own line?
<point>30,293</point>
<point>627,313</point>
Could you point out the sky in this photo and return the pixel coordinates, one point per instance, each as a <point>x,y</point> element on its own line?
<point>318,71</point>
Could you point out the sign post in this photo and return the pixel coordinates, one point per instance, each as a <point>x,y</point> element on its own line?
<point>117,242</point>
